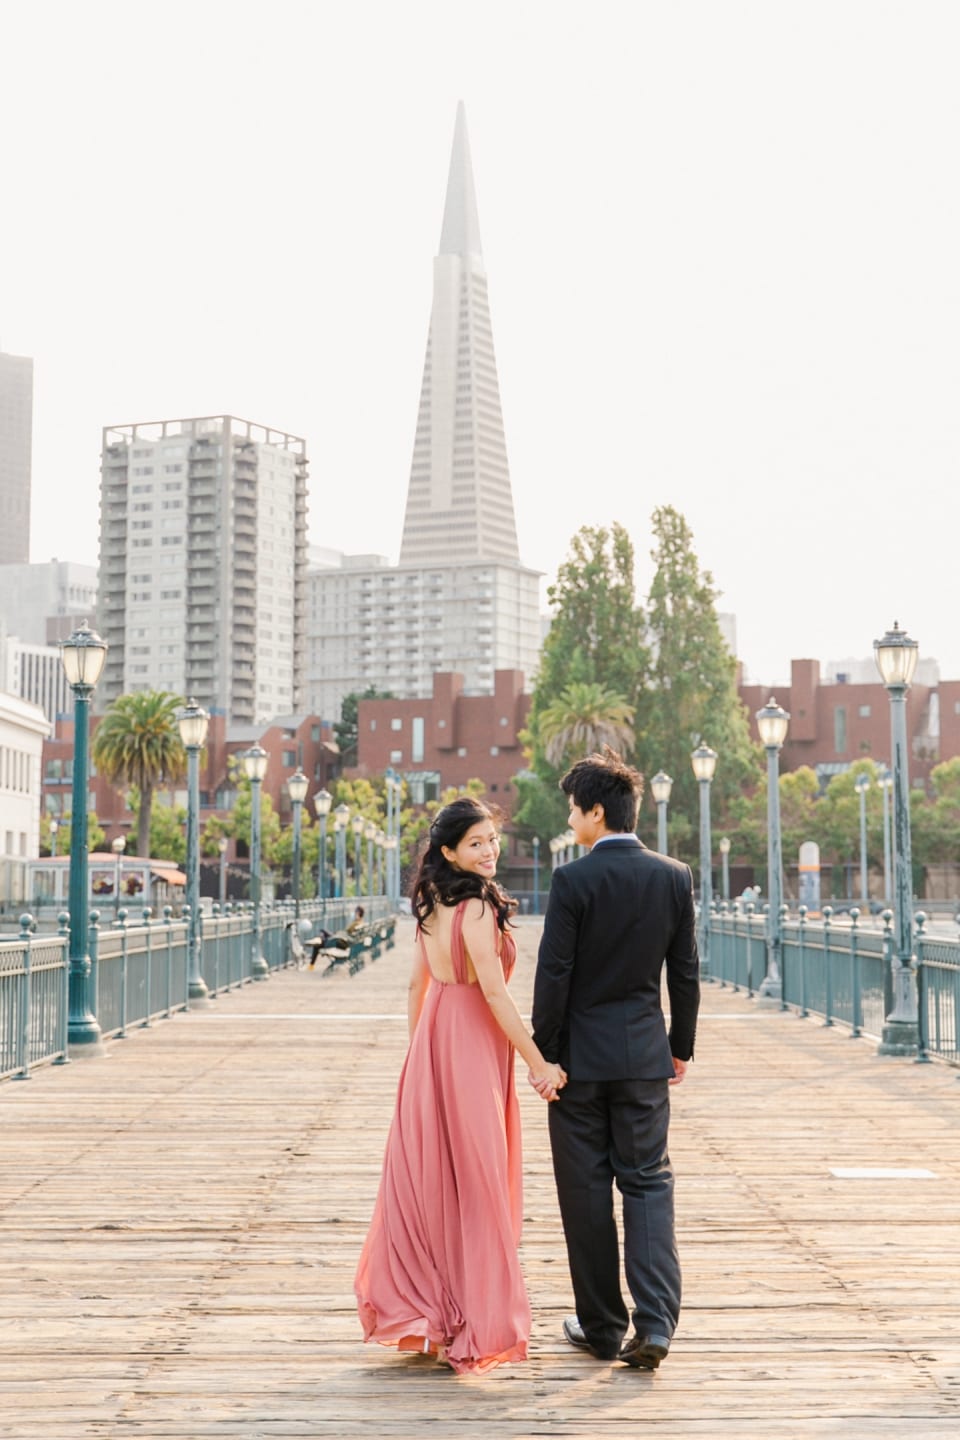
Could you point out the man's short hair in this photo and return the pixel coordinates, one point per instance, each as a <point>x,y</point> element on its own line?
<point>606,779</point>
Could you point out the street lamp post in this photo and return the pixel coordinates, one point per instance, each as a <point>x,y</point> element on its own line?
<point>222,847</point>
<point>297,790</point>
<point>660,786</point>
<point>862,785</point>
<point>357,824</point>
<point>886,785</point>
<point>704,762</point>
<point>321,803</point>
<point>725,861</point>
<point>192,723</point>
<point>556,845</point>
<point>391,846</point>
<point>772,722</point>
<point>341,819</point>
<point>54,827</point>
<point>569,841</point>
<point>896,656</point>
<point>82,656</point>
<point>369,831</point>
<point>255,767</point>
<point>536,874</point>
<point>379,840</point>
<point>117,845</point>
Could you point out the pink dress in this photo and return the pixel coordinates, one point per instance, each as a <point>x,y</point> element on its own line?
<point>439,1266</point>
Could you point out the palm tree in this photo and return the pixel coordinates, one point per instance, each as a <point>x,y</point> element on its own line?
<point>138,743</point>
<point>584,718</point>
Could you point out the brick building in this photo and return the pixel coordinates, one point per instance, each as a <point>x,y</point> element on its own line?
<point>449,738</point>
<point>834,723</point>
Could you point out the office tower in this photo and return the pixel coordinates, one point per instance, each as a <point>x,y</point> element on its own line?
<point>42,603</point>
<point>459,501</point>
<point>459,600</point>
<point>203,561</point>
<point>16,432</point>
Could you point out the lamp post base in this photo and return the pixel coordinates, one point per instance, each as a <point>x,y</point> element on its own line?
<point>900,1037</point>
<point>259,968</point>
<point>198,996</point>
<point>85,1040</point>
<point>770,993</point>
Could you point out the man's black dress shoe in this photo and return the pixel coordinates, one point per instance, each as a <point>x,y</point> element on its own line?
<point>644,1352</point>
<point>573,1331</point>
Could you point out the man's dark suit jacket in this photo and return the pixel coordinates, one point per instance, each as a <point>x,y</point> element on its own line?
<point>613,918</point>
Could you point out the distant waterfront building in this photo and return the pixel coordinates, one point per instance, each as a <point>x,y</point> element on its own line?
<point>459,600</point>
<point>203,562</point>
<point>16,443</point>
<point>35,673</point>
<point>43,603</point>
<point>22,731</point>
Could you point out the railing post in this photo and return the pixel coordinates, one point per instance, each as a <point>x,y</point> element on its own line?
<point>827,971</point>
<point>856,1015</point>
<point>95,962</point>
<point>923,1016</point>
<point>887,918</point>
<point>23,1028</point>
<point>168,924</point>
<point>146,1022</point>
<point>63,930</point>
<point>784,913</point>
<point>215,913</point>
<point>801,946</point>
<point>124,948</point>
<point>749,908</point>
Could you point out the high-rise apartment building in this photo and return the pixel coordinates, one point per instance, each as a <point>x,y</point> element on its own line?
<point>203,559</point>
<point>16,443</point>
<point>459,600</point>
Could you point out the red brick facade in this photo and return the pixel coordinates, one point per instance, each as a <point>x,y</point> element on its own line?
<point>449,738</point>
<point>833,725</point>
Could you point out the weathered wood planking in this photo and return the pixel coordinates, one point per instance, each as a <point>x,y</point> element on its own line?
<point>181,1222</point>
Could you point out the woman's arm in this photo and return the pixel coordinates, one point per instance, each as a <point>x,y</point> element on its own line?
<point>417,988</point>
<point>480,939</point>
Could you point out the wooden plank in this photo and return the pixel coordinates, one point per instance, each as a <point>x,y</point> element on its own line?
<point>181,1222</point>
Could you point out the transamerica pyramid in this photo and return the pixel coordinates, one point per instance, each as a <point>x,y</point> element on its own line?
<point>459,500</point>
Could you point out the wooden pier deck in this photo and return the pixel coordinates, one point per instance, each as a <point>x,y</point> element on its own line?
<point>181,1221</point>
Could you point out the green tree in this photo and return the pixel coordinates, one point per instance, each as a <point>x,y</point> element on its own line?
<point>345,728</point>
<point>584,718</point>
<point>935,823</point>
<point>595,639</point>
<point>95,834</point>
<point>691,694</point>
<point>138,743</point>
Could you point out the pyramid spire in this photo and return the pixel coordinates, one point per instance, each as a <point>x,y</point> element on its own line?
<point>460,234</point>
<point>459,501</point>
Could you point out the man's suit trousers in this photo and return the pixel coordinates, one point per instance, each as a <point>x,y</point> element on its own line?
<point>603,1131</point>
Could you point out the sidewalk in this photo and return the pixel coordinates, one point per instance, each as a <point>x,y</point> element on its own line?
<point>181,1221</point>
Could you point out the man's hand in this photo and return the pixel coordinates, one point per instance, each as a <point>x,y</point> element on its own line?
<point>680,1069</point>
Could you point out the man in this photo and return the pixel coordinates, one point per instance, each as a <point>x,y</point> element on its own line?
<point>613,919</point>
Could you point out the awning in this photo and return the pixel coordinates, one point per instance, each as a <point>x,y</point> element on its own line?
<point>172,877</point>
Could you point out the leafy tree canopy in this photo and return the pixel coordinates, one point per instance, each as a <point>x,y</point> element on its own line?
<point>345,728</point>
<point>138,743</point>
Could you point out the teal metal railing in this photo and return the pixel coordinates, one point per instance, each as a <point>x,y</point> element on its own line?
<point>140,968</point>
<point>842,970</point>
<point>33,999</point>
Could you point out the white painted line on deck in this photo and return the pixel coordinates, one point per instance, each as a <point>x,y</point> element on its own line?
<point>880,1172</point>
<point>242,1019</point>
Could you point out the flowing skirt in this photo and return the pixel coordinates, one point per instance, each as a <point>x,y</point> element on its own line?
<point>439,1267</point>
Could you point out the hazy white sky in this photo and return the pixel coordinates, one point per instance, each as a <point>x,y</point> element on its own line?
<point>722,241</point>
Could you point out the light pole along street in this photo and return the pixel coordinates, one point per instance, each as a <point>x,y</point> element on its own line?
<point>255,767</point>
<point>772,722</point>
<point>704,762</point>
<point>660,787</point>
<point>297,790</point>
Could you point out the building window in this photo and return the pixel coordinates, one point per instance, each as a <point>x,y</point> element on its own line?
<point>462,752</point>
<point>396,756</point>
<point>315,733</point>
<point>504,720</point>
<point>373,724</point>
<point>864,712</point>
<point>416,741</point>
<point>396,724</point>
<point>289,758</point>
<point>494,749</point>
<point>840,729</point>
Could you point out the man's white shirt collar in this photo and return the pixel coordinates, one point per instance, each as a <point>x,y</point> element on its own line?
<point>617,835</point>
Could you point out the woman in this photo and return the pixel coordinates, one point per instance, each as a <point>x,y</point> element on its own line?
<point>439,1272</point>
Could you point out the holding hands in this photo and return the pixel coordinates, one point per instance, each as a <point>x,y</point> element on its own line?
<point>547,1079</point>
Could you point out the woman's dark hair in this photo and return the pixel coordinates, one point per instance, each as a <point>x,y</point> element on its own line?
<point>606,780</point>
<point>440,883</point>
